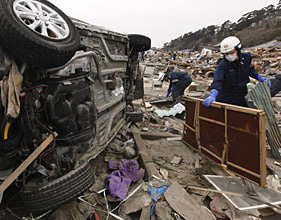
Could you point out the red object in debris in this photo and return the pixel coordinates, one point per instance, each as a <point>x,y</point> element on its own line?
<point>22,94</point>
<point>96,217</point>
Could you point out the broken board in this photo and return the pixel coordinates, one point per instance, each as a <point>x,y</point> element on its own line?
<point>231,136</point>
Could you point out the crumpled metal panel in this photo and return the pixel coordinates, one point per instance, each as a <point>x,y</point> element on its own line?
<point>260,98</point>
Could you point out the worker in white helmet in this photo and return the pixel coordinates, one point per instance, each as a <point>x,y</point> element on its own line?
<point>232,74</point>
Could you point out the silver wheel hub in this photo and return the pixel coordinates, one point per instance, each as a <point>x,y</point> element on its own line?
<point>41,19</point>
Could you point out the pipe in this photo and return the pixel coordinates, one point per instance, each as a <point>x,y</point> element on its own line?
<point>81,55</point>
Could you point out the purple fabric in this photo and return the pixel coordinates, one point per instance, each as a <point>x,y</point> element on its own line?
<point>118,182</point>
<point>113,165</point>
<point>117,185</point>
<point>130,169</point>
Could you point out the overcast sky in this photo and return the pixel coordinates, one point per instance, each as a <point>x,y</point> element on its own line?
<point>161,20</point>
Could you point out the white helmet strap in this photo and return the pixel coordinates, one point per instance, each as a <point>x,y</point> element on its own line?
<point>238,46</point>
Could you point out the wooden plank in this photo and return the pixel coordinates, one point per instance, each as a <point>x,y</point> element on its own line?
<point>10,179</point>
<point>211,153</point>
<point>262,135</point>
<point>146,156</point>
<point>197,125</point>
<point>244,131</point>
<point>237,108</point>
<point>228,106</point>
<point>271,59</point>
<point>187,126</point>
<point>224,153</point>
<point>163,126</point>
<point>190,138</point>
<point>146,135</point>
<point>243,169</point>
<point>190,145</point>
<point>211,120</point>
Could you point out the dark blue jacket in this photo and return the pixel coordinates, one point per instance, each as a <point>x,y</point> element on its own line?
<point>276,85</point>
<point>175,77</point>
<point>179,81</point>
<point>231,79</point>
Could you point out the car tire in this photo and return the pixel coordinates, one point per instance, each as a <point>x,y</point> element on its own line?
<point>44,197</point>
<point>210,74</point>
<point>139,42</point>
<point>51,44</point>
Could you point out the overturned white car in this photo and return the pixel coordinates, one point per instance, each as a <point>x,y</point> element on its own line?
<point>66,76</point>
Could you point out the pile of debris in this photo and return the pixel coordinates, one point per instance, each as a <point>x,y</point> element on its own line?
<point>147,172</point>
<point>201,66</point>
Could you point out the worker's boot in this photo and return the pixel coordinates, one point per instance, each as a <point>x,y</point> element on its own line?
<point>179,100</point>
<point>173,103</point>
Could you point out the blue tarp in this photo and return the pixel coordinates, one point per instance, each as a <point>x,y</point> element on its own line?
<point>186,50</point>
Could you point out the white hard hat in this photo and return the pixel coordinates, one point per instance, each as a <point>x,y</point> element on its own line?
<point>161,76</point>
<point>230,43</point>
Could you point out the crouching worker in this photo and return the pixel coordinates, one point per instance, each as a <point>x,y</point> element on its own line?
<point>232,75</point>
<point>179,81</point>
<point>276,86</point>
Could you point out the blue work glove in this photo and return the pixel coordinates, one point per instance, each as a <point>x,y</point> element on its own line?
<point>262,79</point>
<point>169,91</point>
<point>211,98</point>
<point>167,95</point>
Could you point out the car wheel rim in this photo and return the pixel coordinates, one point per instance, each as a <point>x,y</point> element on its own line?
<point>41,19</point>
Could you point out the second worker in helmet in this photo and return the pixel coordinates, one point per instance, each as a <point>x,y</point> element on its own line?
<point>232,74</point>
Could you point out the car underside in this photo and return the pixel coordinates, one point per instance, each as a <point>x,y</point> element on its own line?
<point>66,76</point>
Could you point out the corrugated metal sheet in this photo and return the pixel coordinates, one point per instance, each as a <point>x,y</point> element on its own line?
<point>260,98</point>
